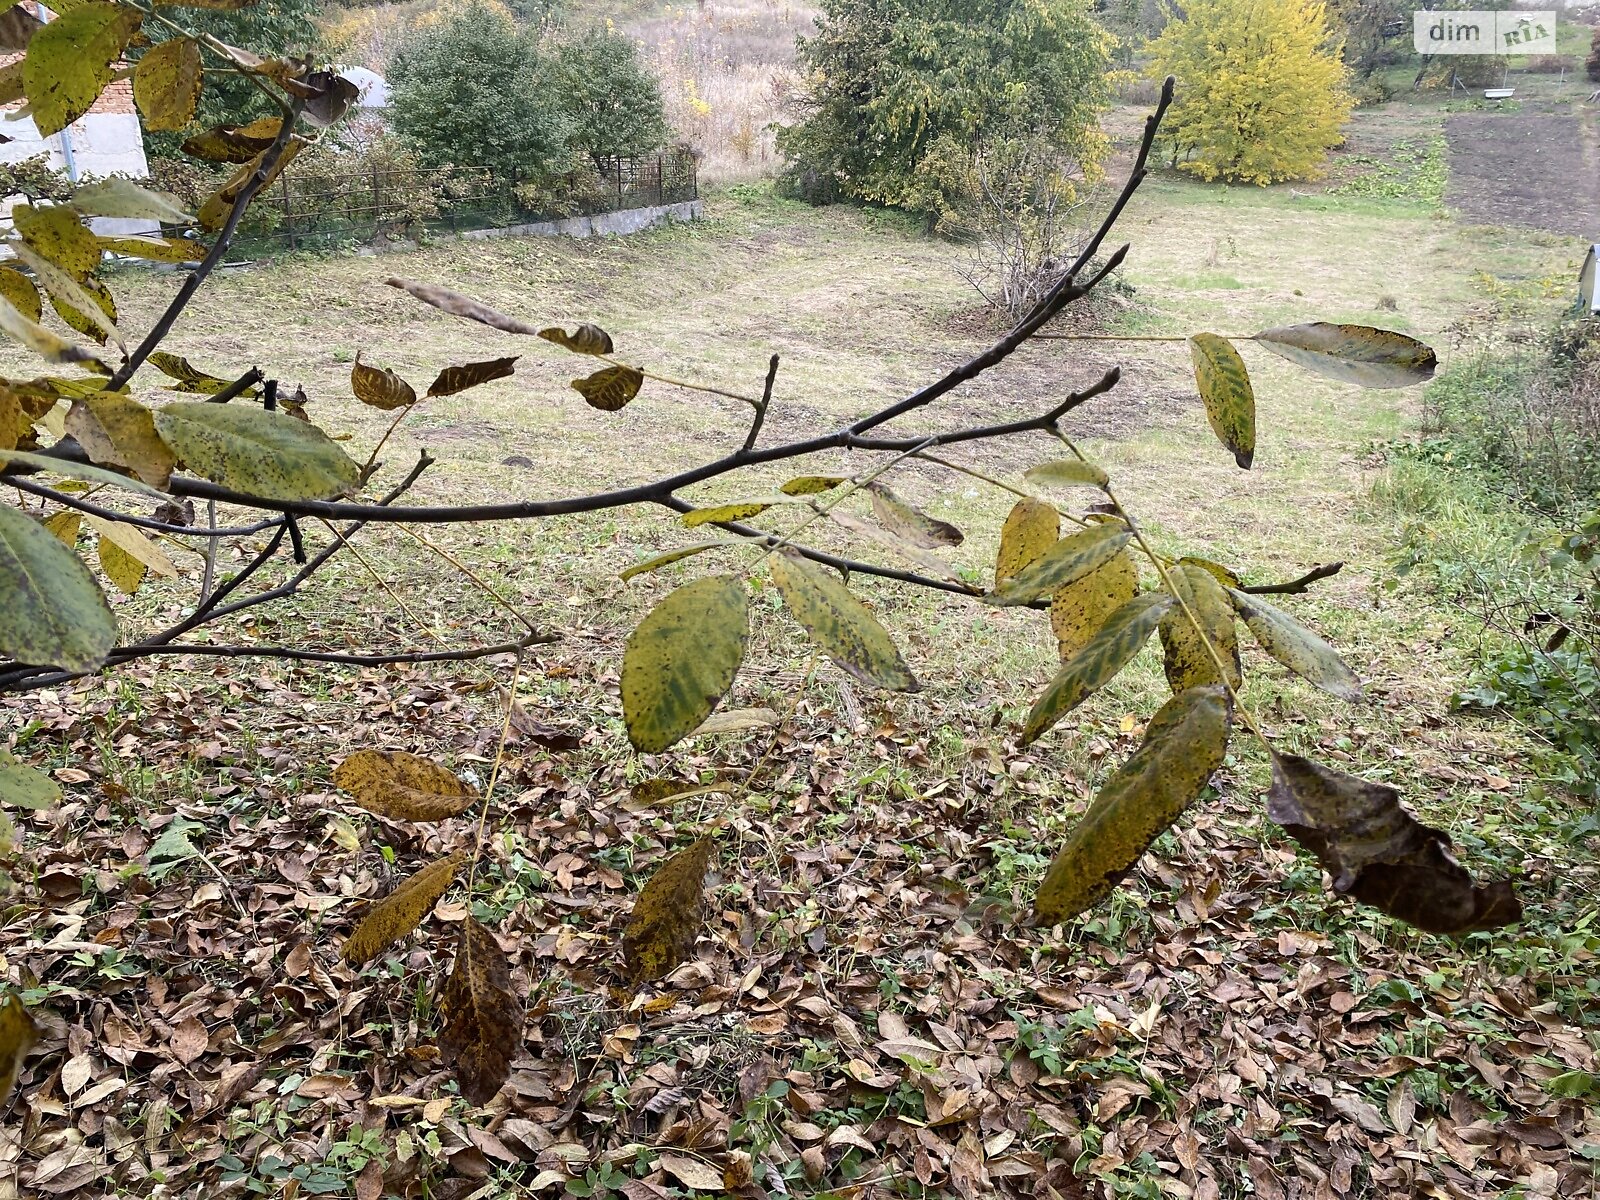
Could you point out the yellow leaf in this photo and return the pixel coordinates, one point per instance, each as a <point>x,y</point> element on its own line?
<point>910,523</point>
<point>403,787</point>
<point>1225,389</point>
<point>134,544</point>
<point>116,431</point>
<point>166,84</point>
<point>1078,610</point>
<point>122,568</point>
<point>1031,528</point>
<point>840,624</point>
<point>610,388</point>
<point>1073,557</point>
<point>402,910</point>
<point>65,525</point>
<point>1187,662</point>
<point>586,339</point>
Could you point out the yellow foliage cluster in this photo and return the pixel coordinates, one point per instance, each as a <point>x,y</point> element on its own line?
<point>1261,89</point>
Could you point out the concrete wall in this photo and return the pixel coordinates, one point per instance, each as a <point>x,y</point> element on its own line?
<point>631,220</point>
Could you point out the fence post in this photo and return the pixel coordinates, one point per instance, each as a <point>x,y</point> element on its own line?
<point>288,213</point>
<point>619,183</point>
<point>377,206</point>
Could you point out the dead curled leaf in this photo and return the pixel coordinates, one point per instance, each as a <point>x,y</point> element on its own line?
<point>482,1016</point>
<point>1379,853</point>
<point>666,918</point>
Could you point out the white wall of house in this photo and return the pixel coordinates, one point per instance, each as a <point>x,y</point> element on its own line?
<point>101,144</point>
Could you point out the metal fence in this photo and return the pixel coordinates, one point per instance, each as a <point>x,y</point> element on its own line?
<point>321,209</point>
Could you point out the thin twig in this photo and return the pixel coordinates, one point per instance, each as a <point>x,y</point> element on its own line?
<point>761,409</point>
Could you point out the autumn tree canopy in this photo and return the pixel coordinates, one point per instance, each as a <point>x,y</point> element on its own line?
<point>1261,95</point>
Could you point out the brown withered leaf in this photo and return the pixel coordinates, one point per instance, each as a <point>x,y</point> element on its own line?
<point>910,522</point>
<point>469,375</point>
<point>1379,853</point>
<point>667,916</point>
<point>460,305</point>
<point>401,911</point>
<point>233,143</point>
<point>380,387</point>
<point>482,1017</point>
<point>610,388</point>
<point>585,339</point>
<point>403,787</point>
<point>17,1035</point>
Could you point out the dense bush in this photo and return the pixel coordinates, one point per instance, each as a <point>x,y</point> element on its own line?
<point>611,97</point>
<point>476,88</point>
<point>901,98</point>
<point>1593,63</point>
<point>1261,91</point>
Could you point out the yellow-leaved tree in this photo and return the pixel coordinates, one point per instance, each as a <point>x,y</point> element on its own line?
<point>1261,89</point>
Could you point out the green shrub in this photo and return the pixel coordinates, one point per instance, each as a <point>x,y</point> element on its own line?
<point>473,89</point>
<point>899,97</point>
<point>1529,420</point>
<point>611,97</point>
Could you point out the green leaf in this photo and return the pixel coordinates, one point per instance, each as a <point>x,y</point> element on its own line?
<point>71,60</point>
<point>118,197</point>
<point>1296,647</point>
<point>1097,664</point>
<point>1379,853</point>
<point>24,787</point>
<point>1187,662</point>
<point>1185,742</point>
<point>840,624</point>
<point>1031,528</point>
<point>256,452</point>
<point>672,556</point>
<point>681,660</point>
<point>1067,472</point>
<point>1071,558</point>
<point>910,523</point>
<point>72,470</point>
<point>610,388</point>
<point>1078,610</point>
<point>166,84</point>
<point>1359,354</point>
<point>52,613</point>
<point>1224,386</point>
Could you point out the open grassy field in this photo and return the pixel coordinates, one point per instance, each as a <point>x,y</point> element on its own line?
<point>866,1014</point>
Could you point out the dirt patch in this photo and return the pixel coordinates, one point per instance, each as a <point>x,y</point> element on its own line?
<point>1536,170</point>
